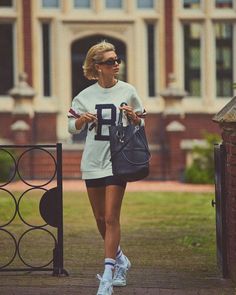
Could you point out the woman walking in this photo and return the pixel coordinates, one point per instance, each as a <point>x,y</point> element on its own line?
<point>98,107</point>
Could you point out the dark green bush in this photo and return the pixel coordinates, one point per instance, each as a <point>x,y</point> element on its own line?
<point>6,166</point>
<point>202,167</point>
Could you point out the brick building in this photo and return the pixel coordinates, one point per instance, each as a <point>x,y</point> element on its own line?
<point>192,39</point>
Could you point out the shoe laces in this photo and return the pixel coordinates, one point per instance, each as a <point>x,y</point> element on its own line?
<point>120,272</point>
<point>105,286</point>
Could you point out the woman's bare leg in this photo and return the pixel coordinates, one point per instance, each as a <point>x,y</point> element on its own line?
<point>97,200</point>
<point>106,205</point>
<point>113,201</point>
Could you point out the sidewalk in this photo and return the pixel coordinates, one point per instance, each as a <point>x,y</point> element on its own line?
<point>140,282</point>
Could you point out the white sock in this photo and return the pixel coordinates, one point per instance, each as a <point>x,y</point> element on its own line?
<point>120,257</point>
<point>109,266</point>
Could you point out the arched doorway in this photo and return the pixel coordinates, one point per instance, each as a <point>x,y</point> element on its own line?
<point>79,49</point>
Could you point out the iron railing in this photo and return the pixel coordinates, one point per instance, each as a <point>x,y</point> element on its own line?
<point>220,204</point>
<point>24,161</point>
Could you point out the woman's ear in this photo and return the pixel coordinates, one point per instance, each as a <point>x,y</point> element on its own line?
<point>98,68</point>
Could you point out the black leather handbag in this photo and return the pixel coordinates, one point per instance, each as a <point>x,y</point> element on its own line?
<point>130,154</point>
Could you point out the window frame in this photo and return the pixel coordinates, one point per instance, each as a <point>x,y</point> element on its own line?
<point>227,8</point>
<point>51,8</point>
<point>208,15</point>
<point>155,4</point>
<point>114,8</point>
<point>233,56</point>
<point>152,89</point>
<point>9,7</point>
<point>14,54</point>
<point>201,58</point>
<point>49,59</point>
<point>81,8</point>
<point>201,5</point>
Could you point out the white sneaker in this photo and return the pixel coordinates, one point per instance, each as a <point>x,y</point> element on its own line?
<point>119,279</point>
<point>105,287</point>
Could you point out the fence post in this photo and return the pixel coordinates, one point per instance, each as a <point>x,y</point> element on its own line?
<point>226,118</point>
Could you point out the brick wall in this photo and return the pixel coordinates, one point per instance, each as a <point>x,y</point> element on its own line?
<point>5,125</point>
<point>41,164</point>
<point>71,164</point>
<point>197,123</point>
<point>167,161</point>
<point>45,127</point>
<point>153,124</point>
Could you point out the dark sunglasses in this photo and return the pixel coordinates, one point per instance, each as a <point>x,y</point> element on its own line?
<point>110,62</point>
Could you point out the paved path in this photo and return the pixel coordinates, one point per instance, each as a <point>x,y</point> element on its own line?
<point>141,282</point>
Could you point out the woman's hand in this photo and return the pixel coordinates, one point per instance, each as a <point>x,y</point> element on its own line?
<point>88,118</point>
<point>131,114</point>
<point>85,118</point>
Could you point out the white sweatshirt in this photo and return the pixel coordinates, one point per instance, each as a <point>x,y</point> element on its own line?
<point>104,102</point>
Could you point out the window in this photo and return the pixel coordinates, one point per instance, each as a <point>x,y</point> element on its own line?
<point>5,3</point>
<point>6,58</point>
<point>114,4</point>
<point>224,59</point>
<point>151,59</point>
<point>145,3</point>
<point>82,3</point>
<point>223,3</point>
<point>50,3</point>
<point>46,59</point>
<point>192,4</point>
<point>192,56</point>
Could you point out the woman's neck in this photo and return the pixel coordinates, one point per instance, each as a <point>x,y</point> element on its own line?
<point>107,83</point>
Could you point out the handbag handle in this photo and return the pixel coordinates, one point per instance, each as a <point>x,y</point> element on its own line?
<point>120,122</point>
<point>120,132</point>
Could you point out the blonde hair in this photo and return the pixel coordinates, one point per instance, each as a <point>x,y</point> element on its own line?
<point>95,55</point>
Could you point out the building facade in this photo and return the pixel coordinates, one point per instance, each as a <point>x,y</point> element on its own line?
<point>193,40</point>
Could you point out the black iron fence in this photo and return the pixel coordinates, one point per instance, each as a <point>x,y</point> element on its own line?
<point>31,245</point>
<point>220,204</point>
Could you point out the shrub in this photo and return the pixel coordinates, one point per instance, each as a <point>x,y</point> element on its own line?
<point>202,168</point>
<point>6,166</point>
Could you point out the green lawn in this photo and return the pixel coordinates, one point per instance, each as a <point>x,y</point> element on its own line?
<point>167,230</point>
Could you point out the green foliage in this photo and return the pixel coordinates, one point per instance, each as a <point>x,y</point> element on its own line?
<point>202,168</point>
<point>6,165</point>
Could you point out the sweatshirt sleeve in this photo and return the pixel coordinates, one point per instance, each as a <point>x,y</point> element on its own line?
<point>136,104</point>
<point>76,110</point>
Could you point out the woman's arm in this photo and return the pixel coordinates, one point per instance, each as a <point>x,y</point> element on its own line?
<point>131,115</point>
<point>76,125</point>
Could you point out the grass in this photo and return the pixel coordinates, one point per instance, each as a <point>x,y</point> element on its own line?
<point>171,231</point>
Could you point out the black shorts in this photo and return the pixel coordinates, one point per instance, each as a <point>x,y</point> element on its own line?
<point>105,181</point>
